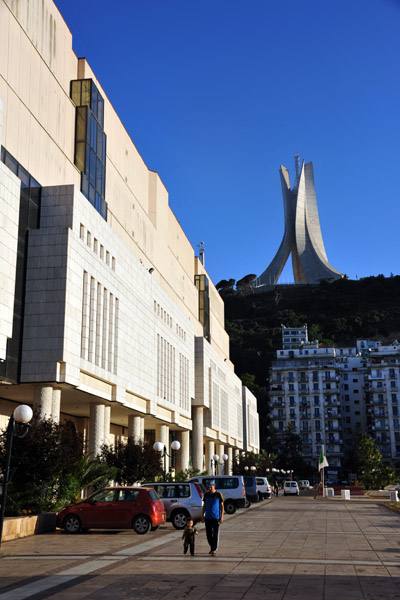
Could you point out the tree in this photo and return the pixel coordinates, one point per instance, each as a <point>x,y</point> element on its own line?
<point>133,461</point>
<point>47,467</point>
<point>246,282</point>
<point>226,285</point>
<point>373,473</point>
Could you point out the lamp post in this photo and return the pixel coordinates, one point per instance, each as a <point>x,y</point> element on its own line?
<point>17,426</point>
<point>160,447</point>
<point>216,460</point>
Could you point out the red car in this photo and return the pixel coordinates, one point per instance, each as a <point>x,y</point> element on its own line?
<point>138,508</point>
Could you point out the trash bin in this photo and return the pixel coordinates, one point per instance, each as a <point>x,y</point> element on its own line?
<point>330,492</point>
<point>345,494</point>
<point>394,496</point>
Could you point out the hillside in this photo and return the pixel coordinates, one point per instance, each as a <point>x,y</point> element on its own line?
<point>336,313</point>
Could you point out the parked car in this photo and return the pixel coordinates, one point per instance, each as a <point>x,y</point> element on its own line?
<point>231,487</point>
<point>181,500</point>
<point>263,488</point>
<point>138,508</point>
<point>290,487</point>
<point>304,484</point>
<point>250,485</point>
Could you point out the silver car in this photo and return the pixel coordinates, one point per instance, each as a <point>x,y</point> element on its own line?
<point>182,499</point>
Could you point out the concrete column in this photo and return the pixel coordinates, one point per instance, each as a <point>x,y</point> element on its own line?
<point>107,423</point>
<point>136,427</point>
<point>56,405</point>
<point>229,462</point>
<point>96,428</point>
<point>182,456</point>
<point>197,437</point>
<point>162,435</point>
<point>210,451</point>
<point>44,401</point>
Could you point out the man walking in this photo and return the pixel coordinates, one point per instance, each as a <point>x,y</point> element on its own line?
<point>212,515</point>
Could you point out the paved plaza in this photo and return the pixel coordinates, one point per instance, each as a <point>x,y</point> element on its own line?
<point>286,548</point>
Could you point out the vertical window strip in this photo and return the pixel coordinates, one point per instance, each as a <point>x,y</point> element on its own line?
<point>104,355</point>
<point>92,320</point>
<point>165,370</point>
<point>111,333</point>
<point>116,329</point>
<point>158,366</point>
<point>99,324</point>
<point>85,316</point>
<point>173,391</point>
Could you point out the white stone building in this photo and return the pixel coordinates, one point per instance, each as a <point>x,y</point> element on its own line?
<point>331,395</point>
<point>108,319</point>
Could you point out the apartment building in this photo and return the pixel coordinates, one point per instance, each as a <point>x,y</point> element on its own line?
<point>332,395</point>
<point>108,319</point>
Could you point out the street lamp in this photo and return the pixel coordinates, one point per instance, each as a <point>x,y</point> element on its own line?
<point>160,447</point>
<point>18,426</point>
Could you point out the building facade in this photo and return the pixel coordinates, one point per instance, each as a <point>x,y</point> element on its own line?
<point>108,319</point>
<point>330,396</point>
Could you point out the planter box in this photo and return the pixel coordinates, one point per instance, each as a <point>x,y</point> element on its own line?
<point>18,527</point>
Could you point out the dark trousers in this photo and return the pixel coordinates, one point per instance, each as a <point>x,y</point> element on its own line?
<point>212,532</point>
<point>186,545</point>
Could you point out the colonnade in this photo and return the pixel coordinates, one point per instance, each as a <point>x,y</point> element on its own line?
<point>48,403</point>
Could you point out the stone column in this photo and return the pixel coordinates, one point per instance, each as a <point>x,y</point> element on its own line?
<point>136,427</point>
<point>44,401</point>
<point>197,437</point>
<point>210,451</point>
<point>162,435</point>
<point>96,428</point>
<point>182,456</point>
<point>56,405</point>
<point>229,462</point>
<point>107,422</point>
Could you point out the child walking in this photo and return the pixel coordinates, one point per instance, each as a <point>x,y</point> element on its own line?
<point>188,536</point>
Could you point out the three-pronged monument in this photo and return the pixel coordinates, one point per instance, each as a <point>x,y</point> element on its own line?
<point>302,237</point>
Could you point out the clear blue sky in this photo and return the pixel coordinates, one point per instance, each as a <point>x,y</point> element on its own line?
<point>216,94</point>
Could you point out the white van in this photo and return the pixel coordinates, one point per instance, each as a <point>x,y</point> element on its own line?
<point>304,484</point>
<point>231,487</point>
<point>263,488</point>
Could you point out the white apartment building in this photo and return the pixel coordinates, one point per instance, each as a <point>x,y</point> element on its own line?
<point>305,393</point>
<point>331,395</point>
<point>382,391</point>
<point>108,319</point>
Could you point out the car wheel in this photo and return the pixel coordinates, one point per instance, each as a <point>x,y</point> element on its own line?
<point>141,524</point>
<point>247,503</point>
<point>229,507</point>
<point>72,524</point>
<point>179,519</point>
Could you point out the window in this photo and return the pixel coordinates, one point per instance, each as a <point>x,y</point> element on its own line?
<point>201,282</point>
<point>316,400</point>
<point>90,142</point>
<point>291,387</point>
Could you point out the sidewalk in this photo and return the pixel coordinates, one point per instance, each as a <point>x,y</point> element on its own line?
<point>284,549</point>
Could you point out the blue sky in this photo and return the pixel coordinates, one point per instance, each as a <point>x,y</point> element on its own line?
<point>216,94</point>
